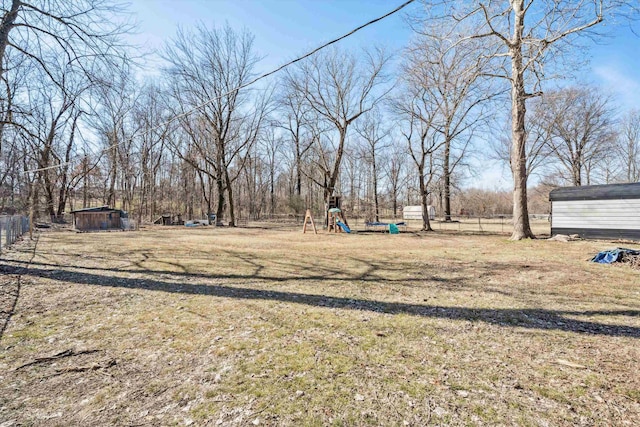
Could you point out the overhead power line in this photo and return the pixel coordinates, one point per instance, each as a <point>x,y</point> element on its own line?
<point>242,86</point>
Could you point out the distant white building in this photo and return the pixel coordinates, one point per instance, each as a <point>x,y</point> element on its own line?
<point>415,212</point>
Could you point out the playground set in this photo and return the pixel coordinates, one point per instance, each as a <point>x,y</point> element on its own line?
<point>336,222</point>
<point>334,218</point>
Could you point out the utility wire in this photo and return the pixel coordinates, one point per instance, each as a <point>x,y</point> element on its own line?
<point>242,86</point>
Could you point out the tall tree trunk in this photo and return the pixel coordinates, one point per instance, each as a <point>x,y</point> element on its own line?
<point>203,188</point>
<point>220,208</point>
<point>63,193</point>
<point>630,158</point>
<point>521,227</point>
<point>333,177</point>
<point>272,184</point>
<point>6,26</point>
<point>298,169</point>
<point>232,218</point>
<point>210,189</point>
<point>85,183</point>
<point>395,203</point>
<point>48,194</point>
<point>188,184</point>
<point>447,180</point>
<point>375,186</point>
<point>33,204</point>
<point>327,192</point>
<point>221,201</point>
<point>111,195</point>
<point>142,202</point>
<point>577,174</point>
<point>426,224</point>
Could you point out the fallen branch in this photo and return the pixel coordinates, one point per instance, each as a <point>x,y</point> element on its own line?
<point>62,354</point>
<point>93,367</point>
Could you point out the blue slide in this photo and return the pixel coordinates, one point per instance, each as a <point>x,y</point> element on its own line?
<point>344,227</point>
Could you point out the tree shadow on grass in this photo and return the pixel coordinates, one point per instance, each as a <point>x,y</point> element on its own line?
<point>539,319</point>
<point>290,270</point>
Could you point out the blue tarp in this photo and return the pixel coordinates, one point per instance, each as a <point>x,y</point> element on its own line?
<point>613,255</point>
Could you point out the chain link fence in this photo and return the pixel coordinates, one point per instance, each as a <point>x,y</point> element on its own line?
<point>540,223</point>
<point>11,228</point>
<point>498,224</point>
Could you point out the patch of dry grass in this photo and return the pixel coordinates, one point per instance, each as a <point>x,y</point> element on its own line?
<point>233,327</point>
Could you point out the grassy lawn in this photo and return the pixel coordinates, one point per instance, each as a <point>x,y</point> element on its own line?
<point>255,326</point>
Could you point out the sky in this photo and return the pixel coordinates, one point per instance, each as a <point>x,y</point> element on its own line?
<point>284,29</point>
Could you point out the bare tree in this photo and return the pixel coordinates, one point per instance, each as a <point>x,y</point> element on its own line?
<point>417,113</point>
<point>629,145</point>
<point>52,51</point>
<point>51,130</point>
<point>151,115</point>
<point>453,77</point>
<point>114,102</point>
<point>339,88</point>
<point>581,122</point>
<point>271,146</point>
<point>606,168</point>
<point>206,69</point>
<point>10,107</point>
<point>394,168</point>
<point>294,120</point>
<point>531,35</point>
<point>81,28</point>
<point>373,131</point>
<point>83,34</point>
<point>353,180</point>
<point>537,145</point>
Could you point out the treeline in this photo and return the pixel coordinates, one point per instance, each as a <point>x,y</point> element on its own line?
<point>80,129</point>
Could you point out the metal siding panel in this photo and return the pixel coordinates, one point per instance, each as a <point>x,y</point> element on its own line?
<point>594,214</point>
<point>595,217</point>
<point>598,218</point>
<point>596,204</point>
<point>604,210</point>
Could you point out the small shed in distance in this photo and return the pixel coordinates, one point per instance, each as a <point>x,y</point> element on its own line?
<point>96,219</point>
<point>415,212</point>
<point>597,211</point>
<point>169,219</point>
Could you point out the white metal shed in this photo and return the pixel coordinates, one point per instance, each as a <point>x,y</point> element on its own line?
<point>597,211</point>
<point>415,212</point>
